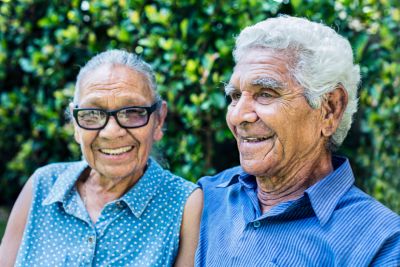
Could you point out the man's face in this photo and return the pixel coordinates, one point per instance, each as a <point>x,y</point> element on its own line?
<point>276,130</point>
<point>116,152</point>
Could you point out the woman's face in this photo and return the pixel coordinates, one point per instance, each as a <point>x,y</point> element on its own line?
<point>115,152</point>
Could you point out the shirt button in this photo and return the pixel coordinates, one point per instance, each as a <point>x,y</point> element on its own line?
<point>119,204</point>
<point>256,224</point>
<point>91,239</point>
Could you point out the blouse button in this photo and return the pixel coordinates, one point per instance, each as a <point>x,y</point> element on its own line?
<point>119,204</point>
<point>256,224</point>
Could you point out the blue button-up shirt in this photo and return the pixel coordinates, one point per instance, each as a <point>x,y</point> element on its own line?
<point>332,224</point>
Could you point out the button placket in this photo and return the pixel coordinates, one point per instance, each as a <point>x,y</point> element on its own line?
<point>91,239</point>
<point>90,250</point>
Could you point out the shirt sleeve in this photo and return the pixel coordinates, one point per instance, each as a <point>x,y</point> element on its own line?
<point>389,253</point>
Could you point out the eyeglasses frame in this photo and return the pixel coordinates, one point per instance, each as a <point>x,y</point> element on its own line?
<point>113,113</point>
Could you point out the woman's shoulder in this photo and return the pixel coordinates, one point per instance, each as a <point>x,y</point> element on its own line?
<point>169,179</point>
<point>56,169</point>
<point>177,183</point>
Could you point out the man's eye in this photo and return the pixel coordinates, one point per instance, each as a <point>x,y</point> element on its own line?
<point>265,95</point>
<point>235,96</point>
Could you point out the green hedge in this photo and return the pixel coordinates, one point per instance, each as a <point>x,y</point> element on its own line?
<point>189,43</point>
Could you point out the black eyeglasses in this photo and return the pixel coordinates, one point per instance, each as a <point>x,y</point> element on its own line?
<point>127,117</point>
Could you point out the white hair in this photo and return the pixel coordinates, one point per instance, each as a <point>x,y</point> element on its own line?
<point>118,57</point>
<point>323,60</point>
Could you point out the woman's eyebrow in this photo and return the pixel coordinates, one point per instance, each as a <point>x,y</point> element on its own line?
<point>94,101</point>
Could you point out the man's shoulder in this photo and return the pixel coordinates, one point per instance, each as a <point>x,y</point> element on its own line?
<point>370,210</point>
<point>219,178</point>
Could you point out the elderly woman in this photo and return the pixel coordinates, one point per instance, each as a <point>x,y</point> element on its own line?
<point>117,207</point>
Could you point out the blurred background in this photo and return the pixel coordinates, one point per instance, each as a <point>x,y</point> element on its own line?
<point>189,44</point>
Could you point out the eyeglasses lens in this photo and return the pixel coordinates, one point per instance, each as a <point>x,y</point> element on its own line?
<point>129,117</point>
<point>92,118</point>
<point>132,117</point>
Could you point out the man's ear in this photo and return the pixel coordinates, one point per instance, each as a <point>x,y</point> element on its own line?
<point>333,107</point>
<point>160,119</point>
<point>76,132</point>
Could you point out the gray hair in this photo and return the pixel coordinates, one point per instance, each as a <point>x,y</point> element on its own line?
<point>322,60</point>
<point>118,57</point>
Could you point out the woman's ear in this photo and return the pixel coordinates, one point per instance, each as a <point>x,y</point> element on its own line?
<point>333,107</point>
<point>160,119</point>
<point>76,132</point>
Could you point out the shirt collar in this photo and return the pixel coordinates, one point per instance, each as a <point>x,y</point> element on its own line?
<point>61,190</point>
<point>137,198</point>
<point>325,195</point>
<point>238,175</point>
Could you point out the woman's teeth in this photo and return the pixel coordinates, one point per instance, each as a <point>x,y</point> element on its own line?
<point>116,151</point>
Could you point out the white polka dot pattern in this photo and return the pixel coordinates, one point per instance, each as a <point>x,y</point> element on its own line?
<point>139,229</point>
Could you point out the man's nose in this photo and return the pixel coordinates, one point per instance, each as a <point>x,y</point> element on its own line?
<point>112,129</point>
<point>244,110</point>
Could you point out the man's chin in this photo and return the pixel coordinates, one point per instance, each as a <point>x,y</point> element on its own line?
<point>255,167</point>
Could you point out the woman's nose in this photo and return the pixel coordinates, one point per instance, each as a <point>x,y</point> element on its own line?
<point>112,129</point>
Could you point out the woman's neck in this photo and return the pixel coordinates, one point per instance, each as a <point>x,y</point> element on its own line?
<point>96,191</point>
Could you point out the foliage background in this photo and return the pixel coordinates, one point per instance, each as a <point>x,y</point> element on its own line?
<point>189,44</point>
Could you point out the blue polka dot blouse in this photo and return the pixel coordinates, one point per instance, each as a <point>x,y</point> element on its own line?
<point>139,229</point>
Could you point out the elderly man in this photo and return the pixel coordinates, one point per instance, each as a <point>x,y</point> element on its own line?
<point>291,202</point>
<point>117,207</point>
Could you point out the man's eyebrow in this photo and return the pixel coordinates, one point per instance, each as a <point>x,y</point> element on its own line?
<point>229,88</point>
<point>267,82</point>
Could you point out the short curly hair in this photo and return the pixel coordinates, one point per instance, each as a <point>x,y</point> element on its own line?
<point>322,60</point>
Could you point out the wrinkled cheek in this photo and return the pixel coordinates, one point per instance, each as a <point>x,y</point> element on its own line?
<point>87,154</point>
<point>87,151</point>
<point>228,122</point>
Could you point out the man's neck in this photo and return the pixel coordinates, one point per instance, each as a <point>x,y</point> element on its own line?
<point>274,190</point>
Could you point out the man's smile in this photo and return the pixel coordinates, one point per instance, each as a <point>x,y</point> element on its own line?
<point>254,139</point>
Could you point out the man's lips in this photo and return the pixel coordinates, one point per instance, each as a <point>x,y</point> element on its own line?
<point>116,151</point>
<point>254,139</point>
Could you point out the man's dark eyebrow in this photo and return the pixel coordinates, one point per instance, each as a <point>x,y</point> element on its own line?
<point>267,82</point>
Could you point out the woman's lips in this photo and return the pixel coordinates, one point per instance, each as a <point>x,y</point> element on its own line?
<point>116,151</point>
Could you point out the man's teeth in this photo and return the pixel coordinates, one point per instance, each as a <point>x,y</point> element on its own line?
<point>116,151</point>
<point>253,139</point>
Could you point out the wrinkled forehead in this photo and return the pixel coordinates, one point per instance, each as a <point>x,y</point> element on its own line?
<point>262,65</point>
<point>114,79</point>
<point>279,59</point>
